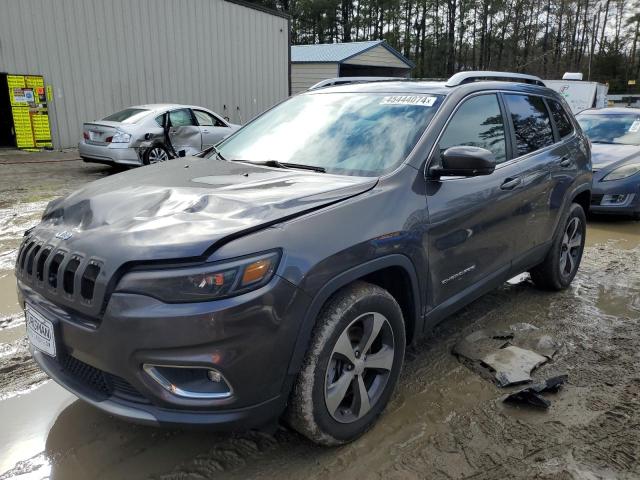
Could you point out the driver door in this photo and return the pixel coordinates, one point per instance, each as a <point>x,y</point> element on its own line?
<point>472,218</point>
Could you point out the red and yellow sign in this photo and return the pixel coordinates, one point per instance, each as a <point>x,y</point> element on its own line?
<point>30,111</point>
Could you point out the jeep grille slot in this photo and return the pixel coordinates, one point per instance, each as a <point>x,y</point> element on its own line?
<point>23,248</point>
<point>32,254</point>
<point>70,275</point>
<point>88,282</point>
<point>40,263</point>
<point>54,266</point>
<point>25,253</point>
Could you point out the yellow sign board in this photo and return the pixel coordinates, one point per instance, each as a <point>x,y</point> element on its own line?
<point>28,98</point>
<point>631,82</point>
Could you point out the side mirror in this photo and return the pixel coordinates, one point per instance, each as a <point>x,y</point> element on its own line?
<point>465,161</point>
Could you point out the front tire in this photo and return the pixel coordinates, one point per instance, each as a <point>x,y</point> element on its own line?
<point>560,266</point>
<point>352,365</point>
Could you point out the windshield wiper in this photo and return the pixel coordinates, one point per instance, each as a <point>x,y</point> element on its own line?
<point>278,164</point>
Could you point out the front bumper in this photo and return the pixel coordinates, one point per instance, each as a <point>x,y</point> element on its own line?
<point>629,188</point>
<point>249,339</point>
<point>114,153</point>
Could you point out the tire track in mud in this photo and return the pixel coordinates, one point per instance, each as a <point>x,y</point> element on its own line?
<point>445,422</point>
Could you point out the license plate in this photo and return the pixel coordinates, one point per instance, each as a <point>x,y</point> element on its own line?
<point>40,332</point>
<point>95,136</point>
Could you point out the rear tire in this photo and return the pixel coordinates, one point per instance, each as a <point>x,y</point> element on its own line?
<point>561,264</point>
<point>155,154</point>
<point>351,367</point>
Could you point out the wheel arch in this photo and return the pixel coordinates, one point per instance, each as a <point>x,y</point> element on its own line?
<point>399,266</point>
<point>583,197</point>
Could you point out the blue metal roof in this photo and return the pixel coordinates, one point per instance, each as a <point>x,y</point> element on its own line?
<point>338,52</point>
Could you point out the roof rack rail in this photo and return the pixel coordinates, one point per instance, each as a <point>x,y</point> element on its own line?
<point>461,78</point>
<point>329,82</point>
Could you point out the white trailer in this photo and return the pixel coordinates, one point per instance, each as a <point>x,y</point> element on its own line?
<point>578,94</point>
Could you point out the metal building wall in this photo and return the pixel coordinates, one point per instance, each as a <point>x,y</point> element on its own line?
<point>103,55</point>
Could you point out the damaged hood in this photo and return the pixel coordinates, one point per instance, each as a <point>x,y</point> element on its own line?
<point>183,207</point>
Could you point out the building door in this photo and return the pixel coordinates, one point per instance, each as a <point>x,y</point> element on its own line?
<point>7,133</point>
<point>28,111</point>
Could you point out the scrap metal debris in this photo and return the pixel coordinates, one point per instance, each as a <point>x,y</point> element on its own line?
<point>531,395</point>
<point>513,365</point>
<point>507,356</point>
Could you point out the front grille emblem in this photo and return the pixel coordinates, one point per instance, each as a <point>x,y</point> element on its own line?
<point>64,235</point>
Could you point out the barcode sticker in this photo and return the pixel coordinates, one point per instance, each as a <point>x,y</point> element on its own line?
<point>420,100</point>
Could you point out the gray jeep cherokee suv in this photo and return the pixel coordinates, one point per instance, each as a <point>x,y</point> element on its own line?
<point>285,273</point>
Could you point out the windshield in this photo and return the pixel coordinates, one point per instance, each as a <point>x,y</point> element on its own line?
<point>622,129</point>
<point>344,133</point>
<point>128,115</point>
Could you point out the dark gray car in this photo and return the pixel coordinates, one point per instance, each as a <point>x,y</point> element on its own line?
<point>287,271</point>
<point>615,135</point>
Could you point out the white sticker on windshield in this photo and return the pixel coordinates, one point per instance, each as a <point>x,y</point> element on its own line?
<point>635,126</point>
<point>421,100</point>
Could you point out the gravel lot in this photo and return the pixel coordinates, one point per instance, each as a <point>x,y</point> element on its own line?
<point>446,420</point>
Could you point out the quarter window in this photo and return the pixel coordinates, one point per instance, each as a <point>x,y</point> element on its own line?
<point>478,123</point>
<point>530,121</point>
<point>207,120</point>
<point>565,128</point>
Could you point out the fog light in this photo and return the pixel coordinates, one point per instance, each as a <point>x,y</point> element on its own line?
<point>617,199</point>
<point>188,381</point>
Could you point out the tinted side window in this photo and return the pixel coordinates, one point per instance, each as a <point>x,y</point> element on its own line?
<point>181,118</point>
<point>563,123</point>
<point>530,121</point>
<point>479,123</point>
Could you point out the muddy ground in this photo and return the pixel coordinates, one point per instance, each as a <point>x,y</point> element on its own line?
<point>445,421</point>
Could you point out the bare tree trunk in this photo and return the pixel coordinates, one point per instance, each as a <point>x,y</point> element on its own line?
<point>604,26</point>
<point>451,35</point>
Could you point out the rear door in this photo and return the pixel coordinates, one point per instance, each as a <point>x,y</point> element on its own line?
<point>473,219</point>
<point>211,127</point>
<point>184,132</point>
<point>535,152</point>
<point>574,156</point>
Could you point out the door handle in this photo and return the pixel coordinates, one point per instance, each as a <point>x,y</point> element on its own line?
<point>510,183</point>
<point>565,161</point>
<point>205,131</point>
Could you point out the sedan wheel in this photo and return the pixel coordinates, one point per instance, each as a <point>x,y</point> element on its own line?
<point>157,154</point>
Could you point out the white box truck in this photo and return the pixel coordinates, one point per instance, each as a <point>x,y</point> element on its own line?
<point>579,95</point>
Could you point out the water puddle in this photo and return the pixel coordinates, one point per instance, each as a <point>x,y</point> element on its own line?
<point>26,421</point>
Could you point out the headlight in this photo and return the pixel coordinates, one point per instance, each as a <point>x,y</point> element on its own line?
<point>622,172</point>
<point>203,282</point>
<point>121,137</point>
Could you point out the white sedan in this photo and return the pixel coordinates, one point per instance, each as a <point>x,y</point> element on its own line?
<point>145,134</point>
